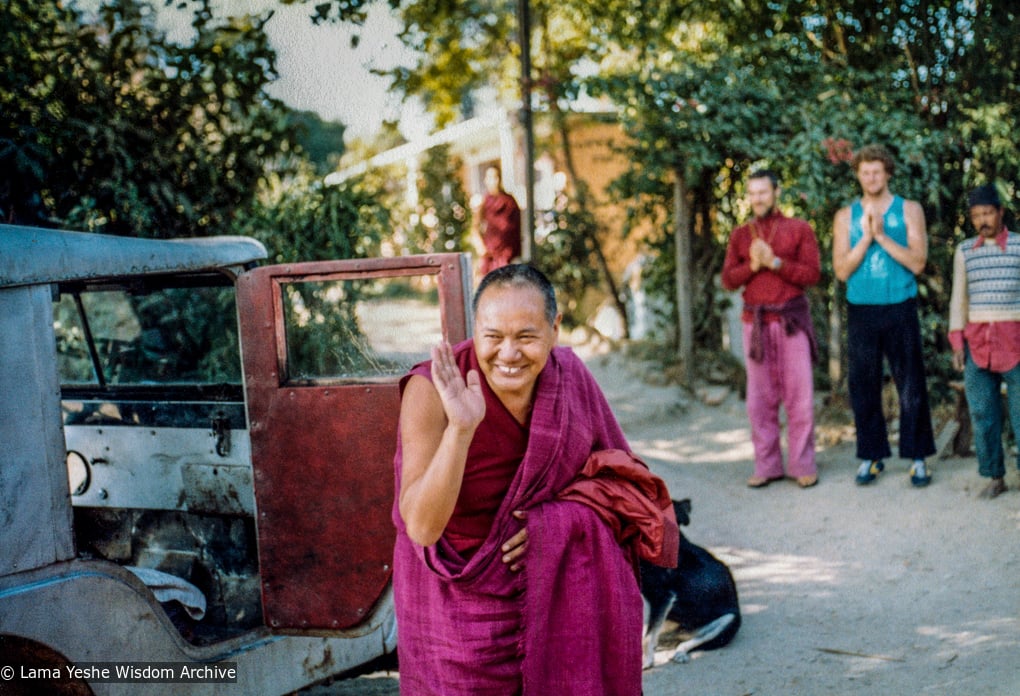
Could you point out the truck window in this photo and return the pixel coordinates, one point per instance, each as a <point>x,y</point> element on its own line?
<point>358,329</point>
<point>123,336</point>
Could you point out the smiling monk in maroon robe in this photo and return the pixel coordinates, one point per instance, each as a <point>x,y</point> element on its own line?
<point>520,513</point>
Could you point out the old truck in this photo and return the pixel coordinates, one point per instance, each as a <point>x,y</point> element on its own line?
<point>197,457</point>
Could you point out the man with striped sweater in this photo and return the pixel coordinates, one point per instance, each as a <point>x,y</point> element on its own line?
<point>984,330</point>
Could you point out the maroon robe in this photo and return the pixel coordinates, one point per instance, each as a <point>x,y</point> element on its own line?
<point>570,620</point>
<point>501,230</point>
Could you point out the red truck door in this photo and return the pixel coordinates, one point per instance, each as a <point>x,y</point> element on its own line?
<point>324,345</point>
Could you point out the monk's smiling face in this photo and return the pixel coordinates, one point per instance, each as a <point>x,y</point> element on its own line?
<point>513,339</point>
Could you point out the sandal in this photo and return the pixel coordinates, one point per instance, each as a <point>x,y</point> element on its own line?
<point>761,481</point>
<point>807,481</point>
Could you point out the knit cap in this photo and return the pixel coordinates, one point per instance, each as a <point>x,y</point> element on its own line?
<point>984,195</point>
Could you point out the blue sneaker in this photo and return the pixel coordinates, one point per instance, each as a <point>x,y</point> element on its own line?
<point>919,475</point>
<point>869,471</point>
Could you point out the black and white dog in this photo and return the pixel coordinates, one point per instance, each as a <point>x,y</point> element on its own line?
<point>699,594</point>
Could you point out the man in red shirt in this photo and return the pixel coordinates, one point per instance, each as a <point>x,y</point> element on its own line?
<point>984,330</point>
<point>774,258</point>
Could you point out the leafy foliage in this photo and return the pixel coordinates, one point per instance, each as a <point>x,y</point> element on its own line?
<point>798,86</point>
<point>568,233</point>
<point>107,126</point>
<point>442,221</point>
<point>299,219</point>
<point>320,142</point>
<point>352,11</point>
<point>464,46</point>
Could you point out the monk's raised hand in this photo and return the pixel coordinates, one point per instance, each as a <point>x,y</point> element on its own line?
<point>463,401</point>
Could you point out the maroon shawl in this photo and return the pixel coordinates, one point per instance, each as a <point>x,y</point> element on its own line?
<point>795,315</point>
<point>501,234</point>
<point>633,501</point>
<point>570,621</point>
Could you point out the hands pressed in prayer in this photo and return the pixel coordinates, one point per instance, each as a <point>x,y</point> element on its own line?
<point>872,223</point>
<point>762,255</point>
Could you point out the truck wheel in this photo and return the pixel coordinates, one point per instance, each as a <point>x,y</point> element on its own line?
<point>23,655</point>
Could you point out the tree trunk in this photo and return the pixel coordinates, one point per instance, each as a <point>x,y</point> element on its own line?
<point>584,202</point>
<point>684,289</point>
<point>527,123</point>
<point>835,341</point>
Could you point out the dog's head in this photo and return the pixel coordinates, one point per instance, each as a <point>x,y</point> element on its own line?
<point>682,508</point>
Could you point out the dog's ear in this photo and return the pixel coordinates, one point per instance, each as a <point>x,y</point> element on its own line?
<point>682,509</point>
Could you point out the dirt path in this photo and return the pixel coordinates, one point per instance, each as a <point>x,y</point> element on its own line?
<point>884,589</point>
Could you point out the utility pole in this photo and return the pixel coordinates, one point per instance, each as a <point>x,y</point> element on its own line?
<point>684,286</point>
<point>524,41</point>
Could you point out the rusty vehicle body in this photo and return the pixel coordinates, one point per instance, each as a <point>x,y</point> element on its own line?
<point>197,458</point>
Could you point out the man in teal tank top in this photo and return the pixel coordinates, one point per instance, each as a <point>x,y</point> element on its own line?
<point>879,246</point>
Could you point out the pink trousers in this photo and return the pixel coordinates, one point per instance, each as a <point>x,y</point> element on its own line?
<point>782,378</point>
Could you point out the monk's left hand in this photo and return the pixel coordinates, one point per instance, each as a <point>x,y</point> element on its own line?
<point>514,548</point>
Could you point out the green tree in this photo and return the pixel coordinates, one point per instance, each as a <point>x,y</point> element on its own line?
<point>798,86</point>
<point>320,142</point>
<point>300,219</point>
<point>443,216</point>
<point>105,125</point>
<point>469,46</point>
<point>108,126</point>
<point>351,11</point>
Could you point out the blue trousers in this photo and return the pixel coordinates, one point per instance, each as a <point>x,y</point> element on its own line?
<point>893,332</point>
<point>984,398</point>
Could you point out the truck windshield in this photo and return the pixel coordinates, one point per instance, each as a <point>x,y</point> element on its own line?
<point>124,335</point>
